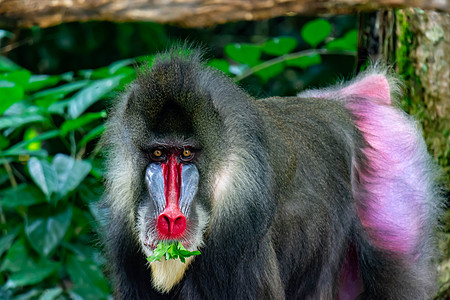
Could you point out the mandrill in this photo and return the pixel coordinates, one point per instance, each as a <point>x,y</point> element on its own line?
<point>327,195</point>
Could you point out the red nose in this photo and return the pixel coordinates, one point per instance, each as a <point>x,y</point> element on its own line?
<point>171,224</point>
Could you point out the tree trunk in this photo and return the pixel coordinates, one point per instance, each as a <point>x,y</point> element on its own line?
<point>422,56</point>
<point>188,13</point>
<point>417,44</point>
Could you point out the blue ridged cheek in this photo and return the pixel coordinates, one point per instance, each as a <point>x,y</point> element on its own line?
<point>189,187</point>
<point>155,183</point>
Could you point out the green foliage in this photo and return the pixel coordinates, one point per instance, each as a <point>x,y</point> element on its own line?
<point>305,61</point>
<point>49,128</point>
<point>274,56</point>
<point>316,32</point>
<point>348,42</point>
<point>170,250</point>
<point>244,53</point>
<point>280,46</point>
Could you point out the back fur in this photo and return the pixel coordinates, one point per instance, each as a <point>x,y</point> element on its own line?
<point>397,197</point>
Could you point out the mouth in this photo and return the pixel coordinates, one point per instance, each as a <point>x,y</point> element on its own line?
<point>151,245</point>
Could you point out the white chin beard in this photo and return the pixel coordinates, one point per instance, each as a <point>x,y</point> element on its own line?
<point>166,274</point>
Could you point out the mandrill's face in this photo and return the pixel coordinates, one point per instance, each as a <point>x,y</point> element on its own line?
<point>171,178</point>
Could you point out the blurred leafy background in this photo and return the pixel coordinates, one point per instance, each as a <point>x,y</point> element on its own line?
<point>56,86</point>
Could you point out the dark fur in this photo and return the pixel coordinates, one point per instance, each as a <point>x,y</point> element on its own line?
<point>291,221</point>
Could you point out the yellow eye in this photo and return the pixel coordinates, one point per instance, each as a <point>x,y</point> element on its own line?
<point>157,153</point>
<point>187,153</point>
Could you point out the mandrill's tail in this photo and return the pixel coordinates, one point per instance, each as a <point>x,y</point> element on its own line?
<point>396,195</point>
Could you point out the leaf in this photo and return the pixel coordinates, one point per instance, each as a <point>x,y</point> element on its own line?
<point>280,46</point>
<point>94,133</point>
<point>87,278</point>
<point>271,71</point>
<point>22,195</point>
<point>220,64</point>
<point>185,252</point>
<point>91,94</point>
<point>171,250</point>
<point>26,153</point>
<point>304,61</point>
<point>47,98</point>
<point>38,82</point>
<point>50,294</point>
<point>20,77</point>
<point>7,240</point>
<point>82,222</point>
<point>352,37</point>
<point>337,44</point>
<point>17,258</point>
<point>31,294</point>
<point>29,134</point>
<point>68,76</point>
<point>83,292</point>
<point>59,107</point>
<point>118,67</point>
<point>22,108</point>
<point>85,251</point>
<point>18,148</point>
<point>70,172</point>
<point>7,65</point>
<point>90,190</point>
<point>244,53</point>
<point>316,31</point>
<point>17,121</point>
<point>349,42</point>
<point>4,142</point>
<point>63,89</point>
<point>180,246</point>
<point>159,251</point>
<point>10,93</point>
<point>43,175</point>
<point>120,64</point>
<point>45,233</point>
<point>36,273</point>
<point>4,177</point>
<point>81,121</point>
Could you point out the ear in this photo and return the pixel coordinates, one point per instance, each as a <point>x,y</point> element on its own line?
<point>371,87</point>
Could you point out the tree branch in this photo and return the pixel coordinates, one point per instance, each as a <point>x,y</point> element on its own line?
<point>187,13</point>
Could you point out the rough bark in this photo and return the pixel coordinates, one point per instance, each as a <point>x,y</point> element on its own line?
<point>422,58</point>
<point>417,44</point>
<point>188,13</point>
